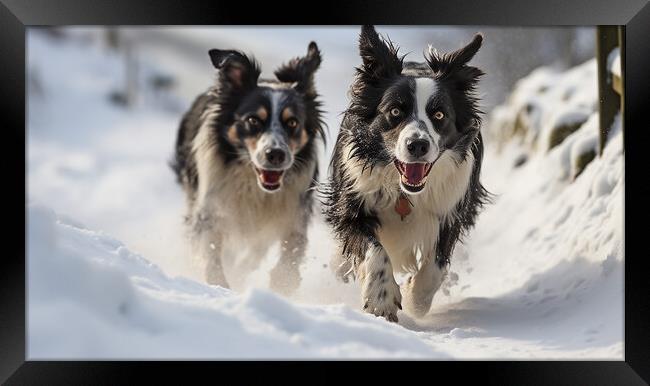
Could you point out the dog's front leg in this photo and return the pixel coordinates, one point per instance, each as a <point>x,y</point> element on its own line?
<point>380,293</point>
<point>285,276</point>
<point>420,288</point>
<point>214,273</point>
<point>208,245</point>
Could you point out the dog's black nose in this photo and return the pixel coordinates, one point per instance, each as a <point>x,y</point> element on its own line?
<point>275,156</point>
<point>417,147</point>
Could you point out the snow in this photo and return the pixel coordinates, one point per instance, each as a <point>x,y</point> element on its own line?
<point>541,275</point>
<point>614,62</point>
<point>585,140</point>
<point>555,250</point>
<point>91,297</point>
<point>545,100</point>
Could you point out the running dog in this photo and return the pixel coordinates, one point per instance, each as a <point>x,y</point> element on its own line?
<point>404,184</point>
<point>246,158</point>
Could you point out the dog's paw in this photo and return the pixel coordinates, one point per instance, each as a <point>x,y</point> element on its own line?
<point>383,299</point>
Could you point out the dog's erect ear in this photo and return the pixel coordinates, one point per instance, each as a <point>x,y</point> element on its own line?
<point>235,68</point>
<point>442,62</point>
<point>379,57</point>
<point>455,63</point>
<point>301,70</point>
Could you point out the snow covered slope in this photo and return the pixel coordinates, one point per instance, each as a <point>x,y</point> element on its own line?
<point>541,275</point>
<point>90,298</point>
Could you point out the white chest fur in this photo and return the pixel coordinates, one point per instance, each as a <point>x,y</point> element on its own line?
<point>231,195</point>
<point>418,231</point>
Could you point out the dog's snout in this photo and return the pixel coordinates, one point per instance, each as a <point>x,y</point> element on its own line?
<point>275,156</point>
<point>418,147</point>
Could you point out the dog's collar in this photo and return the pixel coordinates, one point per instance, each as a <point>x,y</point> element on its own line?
<point>403,205</point>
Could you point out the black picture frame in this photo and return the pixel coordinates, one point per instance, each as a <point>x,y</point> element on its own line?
<point>17,15</point>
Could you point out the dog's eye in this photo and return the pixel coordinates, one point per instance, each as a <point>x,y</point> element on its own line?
<point>395,111</point>
<point>438,115</point>
<point>253,121</point>
<point>292,123</point>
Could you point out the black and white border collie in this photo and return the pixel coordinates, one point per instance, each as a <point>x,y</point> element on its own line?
<point>246,158</point>
<point>404,184</point>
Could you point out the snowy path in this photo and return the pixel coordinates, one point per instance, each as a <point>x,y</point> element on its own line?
<point>541,276</point>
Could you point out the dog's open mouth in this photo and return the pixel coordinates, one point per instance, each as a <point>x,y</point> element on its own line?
<point>413,176</point>
<point>270,180</point>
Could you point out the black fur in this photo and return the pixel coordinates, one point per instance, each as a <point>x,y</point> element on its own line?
<point>183,163</point>
<point>354,228</point>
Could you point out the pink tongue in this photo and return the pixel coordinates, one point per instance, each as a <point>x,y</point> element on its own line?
<point>414,172</point>
<point>271,177</point>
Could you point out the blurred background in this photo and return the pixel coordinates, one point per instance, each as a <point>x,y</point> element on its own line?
<point>174,59</point>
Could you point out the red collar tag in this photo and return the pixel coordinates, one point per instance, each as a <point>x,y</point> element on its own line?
<point>403,206</point>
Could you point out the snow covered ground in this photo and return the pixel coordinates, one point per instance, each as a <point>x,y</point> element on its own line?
<point>541,276</point>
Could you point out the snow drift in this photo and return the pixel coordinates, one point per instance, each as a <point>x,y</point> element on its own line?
<point>91,298</point>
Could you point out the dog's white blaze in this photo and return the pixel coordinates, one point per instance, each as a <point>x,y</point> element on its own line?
<point>425,88</point>
<point>275,104</point>
<point>274,138</point>
<point>276,128</point>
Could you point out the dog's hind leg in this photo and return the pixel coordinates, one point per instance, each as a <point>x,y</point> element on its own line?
<point>420,288</point>
<point>380,293</point>
<point>285,276</point>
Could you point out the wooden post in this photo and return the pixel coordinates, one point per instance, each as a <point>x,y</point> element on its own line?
<point>607,39</point>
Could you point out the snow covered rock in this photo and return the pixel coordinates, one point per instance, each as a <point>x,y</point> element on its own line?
<point>545,107</point>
